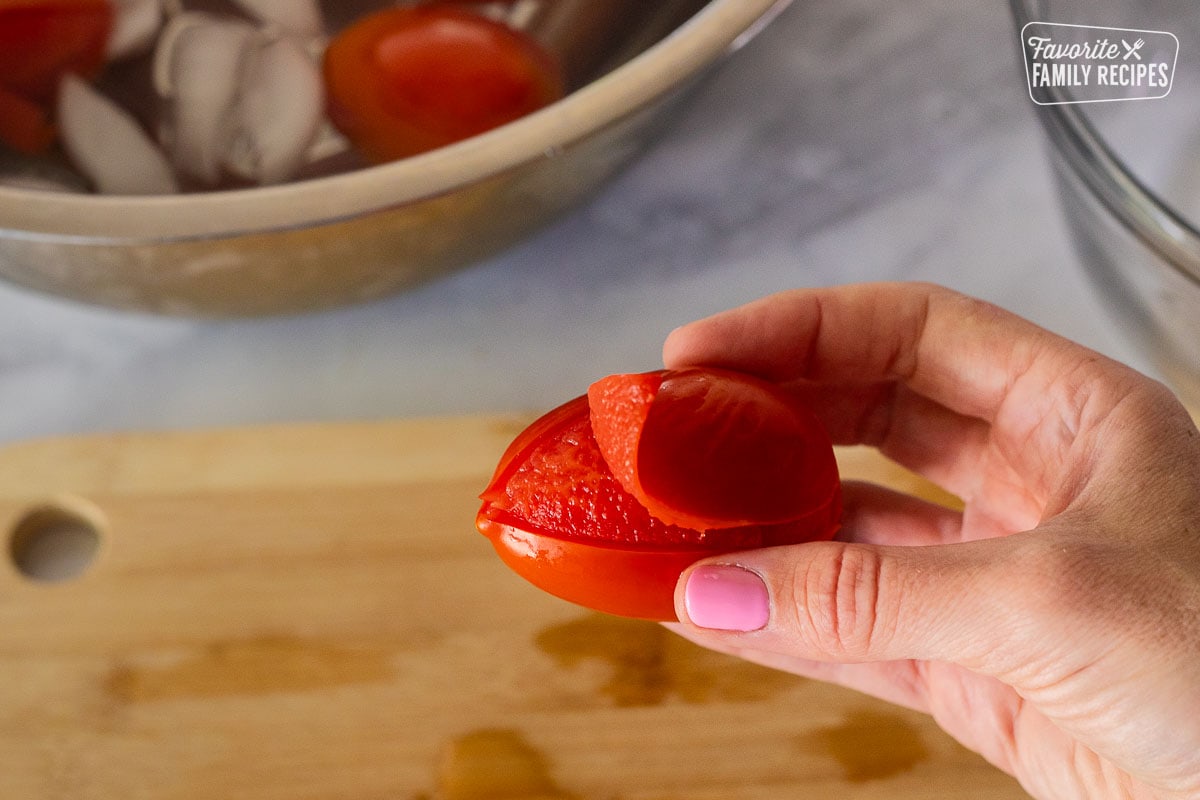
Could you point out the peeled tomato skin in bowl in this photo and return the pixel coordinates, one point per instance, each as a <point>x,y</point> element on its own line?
<point>559,516</point>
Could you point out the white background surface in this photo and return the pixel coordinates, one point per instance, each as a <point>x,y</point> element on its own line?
<point>853,140</point>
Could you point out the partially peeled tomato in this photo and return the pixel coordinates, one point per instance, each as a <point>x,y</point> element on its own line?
<point>605,500</point>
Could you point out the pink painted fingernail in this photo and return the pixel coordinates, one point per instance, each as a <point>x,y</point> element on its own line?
<point>726,598</point>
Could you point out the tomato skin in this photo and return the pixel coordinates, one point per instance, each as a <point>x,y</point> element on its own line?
<point>626,581</point>
<point>708,448</point>
<point>410,79</point>
<point>558,516</point>
<point>42,40</point>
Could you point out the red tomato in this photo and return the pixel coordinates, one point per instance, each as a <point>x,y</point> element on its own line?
<point>410,79</point>
<point>558,515</point>
<point>24,125</point>
<point>42,40</point>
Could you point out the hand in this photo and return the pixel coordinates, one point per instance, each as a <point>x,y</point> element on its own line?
<point>1053,625</point>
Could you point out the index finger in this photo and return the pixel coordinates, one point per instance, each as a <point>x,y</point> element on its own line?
<point>937,380</point>
<point>953,349</point>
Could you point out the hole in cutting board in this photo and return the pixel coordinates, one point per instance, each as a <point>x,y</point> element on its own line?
<point>55,542</point>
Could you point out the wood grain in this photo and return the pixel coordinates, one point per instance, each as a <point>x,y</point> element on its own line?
<point>307,612</point>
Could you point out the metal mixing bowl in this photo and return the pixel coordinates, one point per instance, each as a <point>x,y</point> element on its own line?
<point>1129,178</point>
<point>359,235</point>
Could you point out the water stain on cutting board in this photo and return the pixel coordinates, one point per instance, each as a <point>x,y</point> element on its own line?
<point>869,745</point>
<point>648,664</point>
<point>252,666</point>
<point>495,764</point>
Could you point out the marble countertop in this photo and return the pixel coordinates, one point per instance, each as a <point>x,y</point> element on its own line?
<point>853,140</point>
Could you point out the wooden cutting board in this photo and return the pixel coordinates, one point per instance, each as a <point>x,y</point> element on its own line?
<point>307,612</point>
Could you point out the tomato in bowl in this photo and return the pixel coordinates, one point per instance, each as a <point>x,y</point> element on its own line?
<point>607,499</point>
<point>409,79</point>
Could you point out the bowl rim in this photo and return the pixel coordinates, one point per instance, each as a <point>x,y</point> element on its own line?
<point>720,27</point>
<point>1139,209</point>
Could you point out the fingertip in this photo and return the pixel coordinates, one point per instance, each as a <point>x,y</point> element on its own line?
<point>681,611</point>
<point>672,346</point>
<point>754,338</point>
<point>711,340</point>
<point>723,597</point>
<point>681,347</point>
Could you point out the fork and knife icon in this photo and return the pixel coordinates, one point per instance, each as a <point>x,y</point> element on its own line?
<point>1132,49</point>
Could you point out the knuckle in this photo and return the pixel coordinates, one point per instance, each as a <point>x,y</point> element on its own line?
<point>839,600</point>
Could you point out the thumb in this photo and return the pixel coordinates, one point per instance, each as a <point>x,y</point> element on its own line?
<point>848,602</point>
